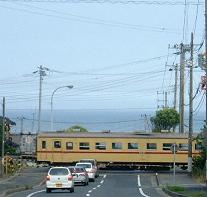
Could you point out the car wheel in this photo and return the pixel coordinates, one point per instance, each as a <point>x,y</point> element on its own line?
<point>93,180</point>
<point>87,183</point>
<point>71,190</point>
<point>48,190</point>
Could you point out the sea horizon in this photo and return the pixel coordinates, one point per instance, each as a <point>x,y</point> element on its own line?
<point>114,120</point>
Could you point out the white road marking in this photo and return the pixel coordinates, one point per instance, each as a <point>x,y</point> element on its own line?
<point>140,189</point>
<point>40,191</point>
<point>87,194</point>
<point>104,176</point>
<point>94,188</point>
<point>89,191</point>
<point>102,181</point>
<point>98,185</point>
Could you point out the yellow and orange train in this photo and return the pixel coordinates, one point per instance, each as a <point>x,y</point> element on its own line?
<point>132,149</point>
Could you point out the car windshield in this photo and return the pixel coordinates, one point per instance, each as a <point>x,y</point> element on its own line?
<point>59,171</point>
<point>84,165</point>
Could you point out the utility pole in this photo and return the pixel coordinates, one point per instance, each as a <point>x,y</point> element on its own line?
<point>166,100</point>
<point>182,88</point>
<point>42,72</point>
<point>3,133</point>
<point>205,128</point>
<point>190,109</point>
<point>175,87</point>
<point>160,100</point>
<point>33,122</point>
<point>21,124</point>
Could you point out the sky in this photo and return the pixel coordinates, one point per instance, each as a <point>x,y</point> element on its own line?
<point>116,54</point>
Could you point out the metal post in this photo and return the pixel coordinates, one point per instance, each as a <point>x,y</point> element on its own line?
<point>3,134</point>
<point>174,163</point>
<point>182,73</point>
<point>51,104</point>
<point>190,110</point>
<point>175,87</point>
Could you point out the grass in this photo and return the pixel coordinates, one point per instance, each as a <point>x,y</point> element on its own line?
<point>186,192</point>
<point>176,188</point>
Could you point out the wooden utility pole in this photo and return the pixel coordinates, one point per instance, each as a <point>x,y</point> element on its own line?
<point>3,133</point>
<point>182,87</point>
<point>190,109</point>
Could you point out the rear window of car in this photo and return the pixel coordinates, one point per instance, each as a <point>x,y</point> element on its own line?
<point>58,171</point>
<point>83,165</point>
<point>78,170</point>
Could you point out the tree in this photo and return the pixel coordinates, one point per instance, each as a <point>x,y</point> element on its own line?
<point>76,128</point>
<point>9,146</point>
<point>165,119</point>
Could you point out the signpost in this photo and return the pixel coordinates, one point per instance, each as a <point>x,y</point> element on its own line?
<point>174,149</point>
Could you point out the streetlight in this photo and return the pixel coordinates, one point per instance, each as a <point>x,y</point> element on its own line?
<point>51,103</point>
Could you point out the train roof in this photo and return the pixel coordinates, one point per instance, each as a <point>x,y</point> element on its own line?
<point>111,135</point>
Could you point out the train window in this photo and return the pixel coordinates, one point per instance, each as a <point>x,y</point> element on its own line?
<point>69,145</point>
<point>133,146</point>
<point>117,145</point>
<point>84,146</point>
<point>101,145</point>
<point>57,144</point>
<point>183,147</point>
<point>43,144</point>
<point>151,146</point>
<point>198,146</point>
<point>166,146</point>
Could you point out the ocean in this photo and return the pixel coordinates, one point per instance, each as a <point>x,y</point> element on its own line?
<point>92,120</point>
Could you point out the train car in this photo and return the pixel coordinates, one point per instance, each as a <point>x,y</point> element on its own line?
<point>132,149</point>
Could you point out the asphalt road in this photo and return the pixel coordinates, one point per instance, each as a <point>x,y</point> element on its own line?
<point>109,184</point>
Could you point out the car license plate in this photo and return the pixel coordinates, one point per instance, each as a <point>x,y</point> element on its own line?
<point>58,184</point>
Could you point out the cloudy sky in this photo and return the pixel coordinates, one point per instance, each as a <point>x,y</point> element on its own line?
<point>116,54</point>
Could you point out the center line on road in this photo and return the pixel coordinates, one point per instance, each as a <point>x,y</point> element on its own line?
<point>89,191</point>
<point>87,194</point>
<point>40,191</point>
<point>140,189</point>
<point>102,181</point>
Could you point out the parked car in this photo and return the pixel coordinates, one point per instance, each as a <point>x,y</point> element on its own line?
<point>80,175</point>
<point>93,162</point>
<point>89,169</point>
<point>59,178</point>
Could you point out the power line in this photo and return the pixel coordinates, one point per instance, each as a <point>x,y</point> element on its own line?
<point>138,2</point>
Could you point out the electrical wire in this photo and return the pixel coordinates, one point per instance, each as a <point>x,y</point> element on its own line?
<point>138,2</point>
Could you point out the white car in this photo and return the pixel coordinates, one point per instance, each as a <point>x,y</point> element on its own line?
<point>59,178</point>
<point>89,169</point>
<point>93,162</point>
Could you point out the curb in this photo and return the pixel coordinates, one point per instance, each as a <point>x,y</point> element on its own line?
<point>173,194</point>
